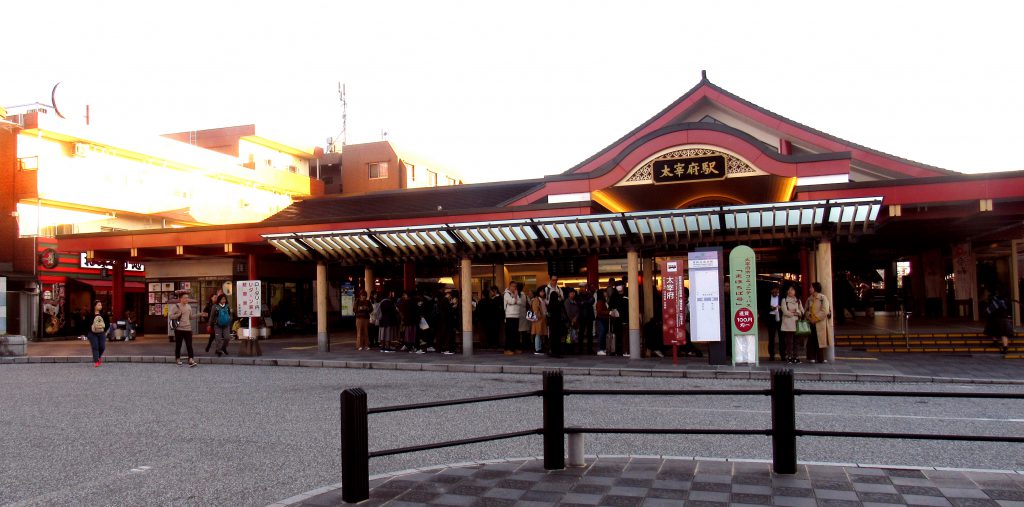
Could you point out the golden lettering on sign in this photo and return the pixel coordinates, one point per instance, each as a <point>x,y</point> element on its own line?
<point>694,169</point>
<point>709,168</point>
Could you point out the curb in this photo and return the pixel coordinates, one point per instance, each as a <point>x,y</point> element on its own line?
<point>301,497</point>
<point>807,376</point>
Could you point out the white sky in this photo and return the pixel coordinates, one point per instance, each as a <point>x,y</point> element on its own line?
<point>519,89</point>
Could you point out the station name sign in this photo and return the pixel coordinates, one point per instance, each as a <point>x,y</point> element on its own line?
<point>680,170</point>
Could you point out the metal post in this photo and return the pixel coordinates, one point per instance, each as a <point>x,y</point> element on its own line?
<point>576,450</point>
<point>783,422</point>
<point>355,454</point>
<point>554,421</point>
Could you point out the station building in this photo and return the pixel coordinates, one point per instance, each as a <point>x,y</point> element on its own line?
<point>710,170</point>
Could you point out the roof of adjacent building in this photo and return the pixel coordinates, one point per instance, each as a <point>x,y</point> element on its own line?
<point>402,203</point>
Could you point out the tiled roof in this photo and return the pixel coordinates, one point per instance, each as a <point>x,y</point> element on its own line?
<point>402,203</point>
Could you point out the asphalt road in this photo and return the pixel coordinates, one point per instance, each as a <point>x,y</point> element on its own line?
<point>156,434</point>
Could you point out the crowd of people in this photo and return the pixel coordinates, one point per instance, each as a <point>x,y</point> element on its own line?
<point>548,319</point>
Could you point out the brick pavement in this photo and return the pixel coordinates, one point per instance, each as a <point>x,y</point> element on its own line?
<point>667,481</point>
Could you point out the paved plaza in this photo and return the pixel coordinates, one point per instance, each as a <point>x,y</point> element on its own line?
<point>670,482</point>
<point>157,434</point>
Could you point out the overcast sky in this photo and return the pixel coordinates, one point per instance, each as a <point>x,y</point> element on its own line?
<point>520,89</point>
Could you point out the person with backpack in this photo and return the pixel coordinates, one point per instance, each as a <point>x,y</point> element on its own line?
<point>998,320</point>
<point>182,313</point>
<point>97,333</point>
<point>220,322</point>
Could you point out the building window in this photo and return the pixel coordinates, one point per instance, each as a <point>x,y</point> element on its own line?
<point>378,170</point>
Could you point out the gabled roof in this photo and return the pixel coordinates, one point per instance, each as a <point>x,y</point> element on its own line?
<point>706,90</point>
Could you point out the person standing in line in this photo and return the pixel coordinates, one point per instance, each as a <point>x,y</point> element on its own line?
<point>513,307</point>
<point>585,300</point>
<point>819,313</point>
<point>557,324</point>
<point>389,321</point>
<point>182,312</point>
<point>792,311</point>
<point>97,333</point>
<point>552,288</point>
<point>362,312</point>
<point>374,324</point>
<point>220,321</point>
<point>407,322</point>
<point>601,318</point>
<point>454,323</point>
<point>773,320</point>
<point>524,322</point>
<point>539,328</point>
<point>572,321</point>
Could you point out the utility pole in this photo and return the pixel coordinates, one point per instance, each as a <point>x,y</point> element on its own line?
<point>344,113</point>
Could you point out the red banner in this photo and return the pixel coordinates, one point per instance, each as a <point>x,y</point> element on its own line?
<point>673,301</point>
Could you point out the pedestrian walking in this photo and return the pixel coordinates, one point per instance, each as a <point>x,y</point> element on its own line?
<point>792,311</point>
<point>513,307</point>
<point>180,315</point>
<point>97,333</point>
<point>819,315</point>
<point>362,311</point>
<point>998,320</point>
<point>539,326</point>
<point>220,322</point>
<point>204,315</point>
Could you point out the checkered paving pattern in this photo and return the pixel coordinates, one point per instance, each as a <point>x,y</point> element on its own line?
<point>657,482</point>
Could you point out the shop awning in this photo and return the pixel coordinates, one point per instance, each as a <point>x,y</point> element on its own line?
<point>108,285</point>
<point>604,233</point>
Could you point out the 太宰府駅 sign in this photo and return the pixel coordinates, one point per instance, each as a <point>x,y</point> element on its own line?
<point>681,170</point>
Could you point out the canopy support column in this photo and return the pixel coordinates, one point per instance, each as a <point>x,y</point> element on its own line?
<point>466,281</point>
<point>632,268</point>
<point>323,342</point>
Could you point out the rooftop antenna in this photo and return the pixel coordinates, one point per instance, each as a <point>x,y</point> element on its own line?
<point>383,135</point>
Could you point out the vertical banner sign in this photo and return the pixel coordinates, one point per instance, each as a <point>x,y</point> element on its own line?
<point>348,300</point>
<point>743,292</point>
<point>705,297</point>
<point>673,301</point>
<point>963,271</point>
<point>249,297</point>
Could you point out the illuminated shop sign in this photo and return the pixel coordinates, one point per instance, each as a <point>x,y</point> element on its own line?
<point>85,263</point>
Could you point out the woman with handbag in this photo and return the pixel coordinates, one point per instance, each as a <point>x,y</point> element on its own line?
<point>819,311</point>
<point>181,312</point>
<point>539,328</point>
<point>792,311</point>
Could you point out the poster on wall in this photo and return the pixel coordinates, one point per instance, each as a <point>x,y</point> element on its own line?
<point>167,286</point>
<point>705,296</point>
<point>743,295</point>
<point>154,286</point>
<point>348,300</point>
<point>673,301</point>
<point>249,297</point>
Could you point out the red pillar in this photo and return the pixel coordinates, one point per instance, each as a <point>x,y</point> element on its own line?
<point>251,264</point>
<point>593,266</point>
<point>805,271</point>
<point>117,291</point>
<point>408,277</point>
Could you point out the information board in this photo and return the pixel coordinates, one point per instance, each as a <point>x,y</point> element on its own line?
<point>705,296</point>
<point>673,301</point>
<point>348,299</point>
<point>249,296</point>
<point>743,295</point>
